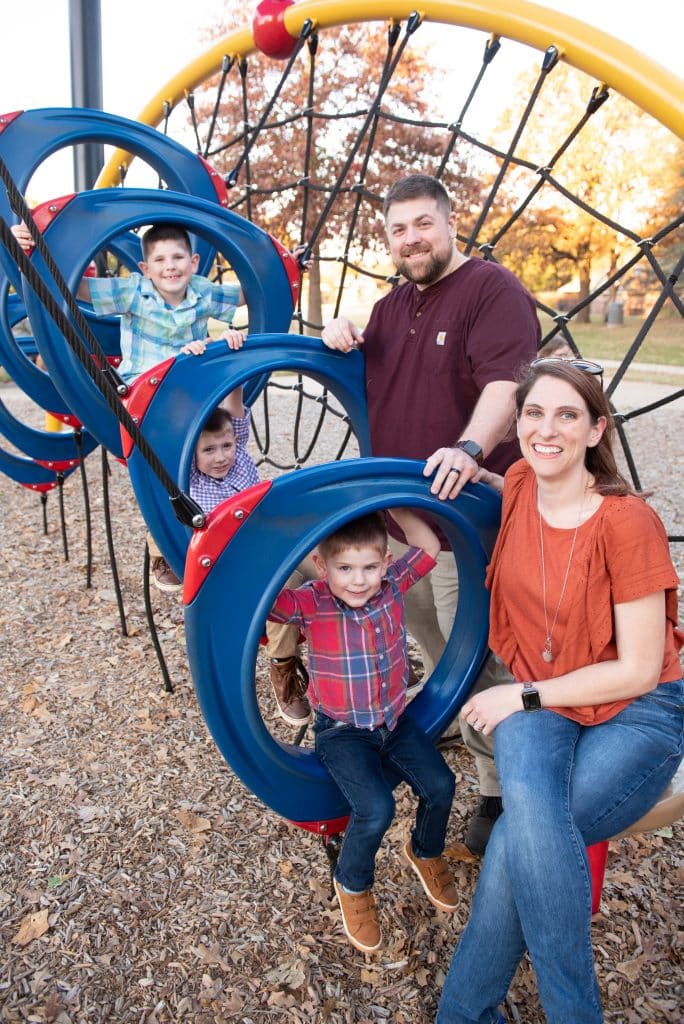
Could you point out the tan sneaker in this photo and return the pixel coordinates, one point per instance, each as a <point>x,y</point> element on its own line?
<point>289,680</point>
<point>359,918</point>
<point>163,576</point>
<point>435,878</point>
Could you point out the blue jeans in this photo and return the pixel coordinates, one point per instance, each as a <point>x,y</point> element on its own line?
<point>366,765</point>
<point>564,787</point>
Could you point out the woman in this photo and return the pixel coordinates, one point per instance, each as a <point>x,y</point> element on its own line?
<point>583,613</point>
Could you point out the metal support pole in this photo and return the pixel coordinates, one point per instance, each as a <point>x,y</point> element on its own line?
<point>85,35</point>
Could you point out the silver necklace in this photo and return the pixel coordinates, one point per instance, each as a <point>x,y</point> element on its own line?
<point>547,650</point>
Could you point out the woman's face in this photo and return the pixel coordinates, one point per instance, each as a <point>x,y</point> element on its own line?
<point>555,428</point>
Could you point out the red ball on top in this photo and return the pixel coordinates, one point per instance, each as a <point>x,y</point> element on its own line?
<point>268,29</point>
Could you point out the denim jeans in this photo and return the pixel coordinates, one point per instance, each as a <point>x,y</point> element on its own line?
<point>565,787</point>
<point>366,765</point>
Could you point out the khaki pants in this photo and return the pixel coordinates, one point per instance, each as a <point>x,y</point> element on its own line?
<point>430,612</point>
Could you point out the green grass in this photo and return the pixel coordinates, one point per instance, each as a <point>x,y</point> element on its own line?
<point>664,343</point>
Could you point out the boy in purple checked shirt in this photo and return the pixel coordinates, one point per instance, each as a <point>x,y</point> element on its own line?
<point>353,618</point>
<point>222,466</point>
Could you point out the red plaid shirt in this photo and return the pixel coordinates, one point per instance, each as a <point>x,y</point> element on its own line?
<point>358,664</point>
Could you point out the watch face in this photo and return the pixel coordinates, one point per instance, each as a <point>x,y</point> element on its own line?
<point>531,700</point>
<point>472,449</point>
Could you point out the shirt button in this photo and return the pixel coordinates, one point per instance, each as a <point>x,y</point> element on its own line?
<point>412,331</point>
<point>419,313</point>
<point>377,629</point>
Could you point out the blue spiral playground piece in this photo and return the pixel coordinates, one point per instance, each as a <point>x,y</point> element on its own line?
<point>28,137</point>
<point>54,450</point>
<point>173,401</point>
<point>29,473</point>
<point>15,352</point>
<point>85,225</point>
<point>235,568</point>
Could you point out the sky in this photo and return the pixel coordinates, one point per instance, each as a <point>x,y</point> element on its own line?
<point>146,43</point>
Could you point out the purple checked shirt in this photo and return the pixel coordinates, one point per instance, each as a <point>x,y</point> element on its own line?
<point>358,664</point>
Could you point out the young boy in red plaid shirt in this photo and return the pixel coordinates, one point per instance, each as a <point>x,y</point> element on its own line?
<point>353,618</point>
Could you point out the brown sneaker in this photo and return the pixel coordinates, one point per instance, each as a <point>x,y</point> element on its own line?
<point>435,878</point>
<point>359,918</point>
<point>163,577</point>
<point>290,679</point>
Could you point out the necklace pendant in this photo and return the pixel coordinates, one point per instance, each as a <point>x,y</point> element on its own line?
<point>547,653</point>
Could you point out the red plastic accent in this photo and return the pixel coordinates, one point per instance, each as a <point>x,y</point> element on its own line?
<point>216,180</point>
<point>292,270</point>
<point>328,828</point>
<point>45,213</point>
<point>268,29</point>
<point>40,487</point>
<point>139,397</point>
<point>206,545</point>
<point>66,417</point>
<point>597,855</point>
<point>59,466</point>
<point>6,119</point>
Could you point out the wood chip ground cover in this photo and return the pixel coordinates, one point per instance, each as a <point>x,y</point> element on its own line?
<point>141,882</point>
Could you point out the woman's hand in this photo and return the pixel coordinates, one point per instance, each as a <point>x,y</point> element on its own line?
<point>485,710</point>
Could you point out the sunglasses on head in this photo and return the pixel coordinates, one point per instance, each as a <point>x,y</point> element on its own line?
<point>586,365</point>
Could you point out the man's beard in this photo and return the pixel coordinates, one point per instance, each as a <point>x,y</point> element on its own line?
<point>429,273</point>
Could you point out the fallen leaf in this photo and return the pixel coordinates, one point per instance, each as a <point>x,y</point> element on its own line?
<point>631,968</point>
<point>457,851</point>
<point>193,822</point>
<point>32,927</point>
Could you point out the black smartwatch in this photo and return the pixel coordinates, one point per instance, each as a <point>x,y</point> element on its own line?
<point>531,701</point>
<point>472,449</point>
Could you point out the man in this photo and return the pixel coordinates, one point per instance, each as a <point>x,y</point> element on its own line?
<point>442,355</point>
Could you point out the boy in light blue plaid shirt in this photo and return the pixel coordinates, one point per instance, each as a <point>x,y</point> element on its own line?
<point>166,308</point>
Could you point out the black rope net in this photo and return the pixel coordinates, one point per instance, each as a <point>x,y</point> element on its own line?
<point>569,185</point>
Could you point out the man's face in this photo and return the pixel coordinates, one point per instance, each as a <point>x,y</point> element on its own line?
<point>421,239</point>
<point>169,267</point>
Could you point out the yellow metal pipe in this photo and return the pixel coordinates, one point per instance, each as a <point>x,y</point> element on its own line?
<point>651,87</point>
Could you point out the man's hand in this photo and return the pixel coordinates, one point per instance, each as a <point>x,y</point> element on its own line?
<point>342,335</point>
<point>453,468</point>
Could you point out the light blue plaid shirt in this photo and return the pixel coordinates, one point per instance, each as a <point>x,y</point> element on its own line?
<point>151,330</point>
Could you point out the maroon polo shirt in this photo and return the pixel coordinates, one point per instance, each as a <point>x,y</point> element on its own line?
<point>430,353</point>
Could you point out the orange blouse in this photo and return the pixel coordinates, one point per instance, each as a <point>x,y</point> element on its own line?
<point>621,554</point>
